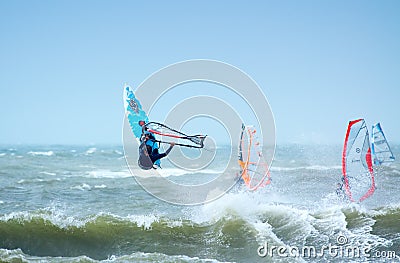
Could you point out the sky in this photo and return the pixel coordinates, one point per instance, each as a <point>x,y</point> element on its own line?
<point>319,63</point>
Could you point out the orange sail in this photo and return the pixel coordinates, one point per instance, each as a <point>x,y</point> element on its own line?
<point>254,169</point>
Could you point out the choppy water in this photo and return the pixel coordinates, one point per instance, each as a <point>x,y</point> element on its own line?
<point>81,204</point>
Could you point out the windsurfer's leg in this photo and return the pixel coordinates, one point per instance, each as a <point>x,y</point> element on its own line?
<point>156,157</point>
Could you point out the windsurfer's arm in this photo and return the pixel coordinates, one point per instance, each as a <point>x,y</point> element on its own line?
<point>155,157</point>
<point>172,144</point>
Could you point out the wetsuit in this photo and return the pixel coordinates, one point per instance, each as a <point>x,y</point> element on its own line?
<point>146,159</point>
<point>155,155</point>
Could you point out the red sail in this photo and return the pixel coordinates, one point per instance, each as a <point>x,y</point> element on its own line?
<point>357,168</point>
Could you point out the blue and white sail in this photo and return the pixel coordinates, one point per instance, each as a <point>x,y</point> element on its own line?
<point>381,152</point>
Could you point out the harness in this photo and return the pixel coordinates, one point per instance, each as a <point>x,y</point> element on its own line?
<point>144,160</point>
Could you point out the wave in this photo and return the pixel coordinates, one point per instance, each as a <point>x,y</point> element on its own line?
<point>311,167</point>
<point>229,229</point>
<point>395,171</point>
<point>107,174</point>
<point>48,153</point>
<point>87,187</point>
<point>91,151</point>
<point>166,172</point>
<point>47,173</point>
<point>172,172</point>
<point>103,152</point>
<point>82,187</point>
<point>103,236</point>
<point>17,255</point>
<point>63,152</point>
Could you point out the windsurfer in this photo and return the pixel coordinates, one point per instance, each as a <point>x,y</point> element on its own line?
<point>148,155</point>
<point>340,190</point>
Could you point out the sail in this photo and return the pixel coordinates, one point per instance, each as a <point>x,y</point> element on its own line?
<point>254,169</point>
<point>381,152</point>
<point>168,134</point>
<point>357,168</point>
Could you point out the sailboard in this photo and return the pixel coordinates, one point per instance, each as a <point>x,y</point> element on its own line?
<point>358,174</point>
<point>254,170</point>
<point>381,152</point>
<point>134,111</point>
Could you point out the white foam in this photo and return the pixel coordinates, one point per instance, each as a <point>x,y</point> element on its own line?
<point>2,154</point>
<point>166,172</point>
<point>107,174</point>
<point>383,211</point>
<point>311,167</point>
<point>144,221</point>
<point>82,187</point>
<point>260,211</point>
<point>47,173</point>
<point>53,215</point>
<point>91,151</point>
<point>151,257</point>
<point>48,153</point>
<point>147,220</point>
<point>396,171</point>
<point>57,216</point>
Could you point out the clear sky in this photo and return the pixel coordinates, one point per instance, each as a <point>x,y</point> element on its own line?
<point>320,63</point>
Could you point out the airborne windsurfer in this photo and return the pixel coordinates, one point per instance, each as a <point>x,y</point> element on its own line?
<point>149,156</point>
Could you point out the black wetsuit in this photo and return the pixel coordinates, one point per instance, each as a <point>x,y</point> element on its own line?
<point>155,155</point>
<point>147,160</point>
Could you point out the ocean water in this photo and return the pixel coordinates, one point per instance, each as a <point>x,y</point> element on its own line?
<point>81,204</point>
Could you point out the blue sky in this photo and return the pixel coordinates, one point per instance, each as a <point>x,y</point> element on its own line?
<point>319,63</point>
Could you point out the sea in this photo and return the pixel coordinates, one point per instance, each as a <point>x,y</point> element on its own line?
<point>81,203</point>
